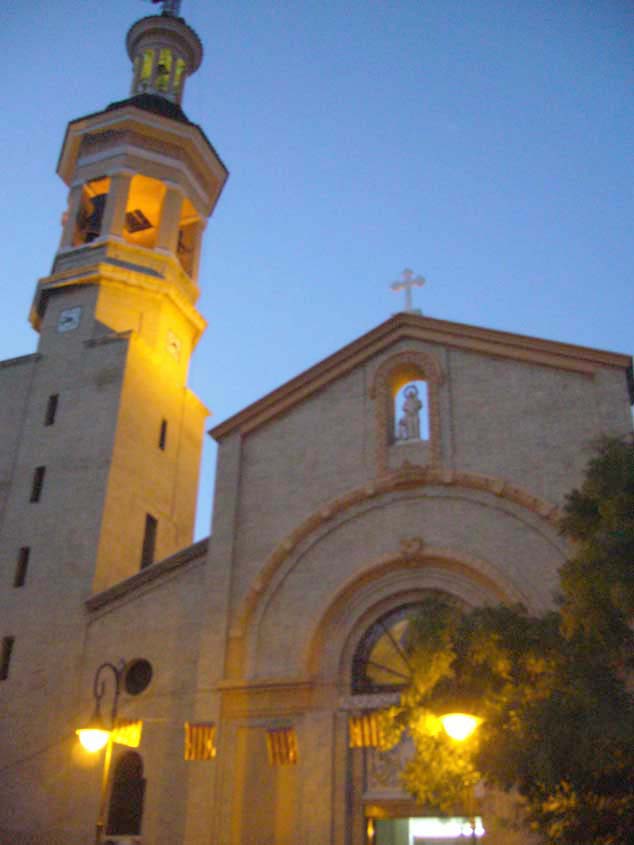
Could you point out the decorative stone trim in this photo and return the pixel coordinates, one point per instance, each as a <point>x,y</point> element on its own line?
<point>389,582</point>
<point>111,337</point>
<point>21,359</point>
<point>412,546</point>
<point>105,143</point>
<point>380,391</point>
<point>404,479</point>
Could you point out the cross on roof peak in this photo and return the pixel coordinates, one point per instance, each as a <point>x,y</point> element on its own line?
<point>169,7</point>
<point>406,283</point>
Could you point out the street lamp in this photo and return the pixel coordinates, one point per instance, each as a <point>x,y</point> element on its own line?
<point>459,726</point>
<point>96,735</point>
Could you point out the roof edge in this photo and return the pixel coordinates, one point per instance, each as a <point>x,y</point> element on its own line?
<point>406,325</point>
<point>129,103</point>
<point>146,576</point>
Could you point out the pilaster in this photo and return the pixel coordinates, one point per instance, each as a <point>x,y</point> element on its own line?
<point>197,247</point>
<point>167,235</point>
<point>114,212</point>
<point>74,200</point>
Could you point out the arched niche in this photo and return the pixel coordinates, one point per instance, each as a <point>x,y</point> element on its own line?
<point>504,516</point>
<point>421,371</point>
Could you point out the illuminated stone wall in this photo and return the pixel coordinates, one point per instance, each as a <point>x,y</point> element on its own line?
<point>327,524</point>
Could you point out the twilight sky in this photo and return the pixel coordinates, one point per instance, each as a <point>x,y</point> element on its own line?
<point>487,144</point>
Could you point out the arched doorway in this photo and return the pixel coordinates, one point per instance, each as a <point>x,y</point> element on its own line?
<point>125,813</point>
<point>381,812</point>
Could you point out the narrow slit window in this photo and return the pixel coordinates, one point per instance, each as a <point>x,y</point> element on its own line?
<point>37,483</point>
<point>149,541</point>
<point>7,648</point>
<point>51,409</point>
<point>163,435</point>
<point>21,566</point>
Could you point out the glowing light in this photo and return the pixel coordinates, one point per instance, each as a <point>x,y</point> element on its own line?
<point>421,829</point>
<point>459,726</point>
<point>93,739</point>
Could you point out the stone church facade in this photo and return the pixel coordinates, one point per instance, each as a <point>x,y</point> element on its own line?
<point>252,658</point>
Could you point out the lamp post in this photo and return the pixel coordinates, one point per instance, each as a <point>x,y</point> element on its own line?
<point>96,735</point>
<point>459,727</point>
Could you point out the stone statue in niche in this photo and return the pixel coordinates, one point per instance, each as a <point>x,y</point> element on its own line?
<point>409,424</point>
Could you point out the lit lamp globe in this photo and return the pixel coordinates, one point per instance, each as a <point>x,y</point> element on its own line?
<point>459,726</point>
<point>95,736</point>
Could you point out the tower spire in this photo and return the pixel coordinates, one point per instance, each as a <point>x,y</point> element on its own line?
<point>143,180</point>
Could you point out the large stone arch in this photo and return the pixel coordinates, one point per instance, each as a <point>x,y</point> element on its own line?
<point>387,584</point>
<point>295,561</point>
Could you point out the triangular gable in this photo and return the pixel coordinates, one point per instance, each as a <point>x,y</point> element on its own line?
<point>407,326</point>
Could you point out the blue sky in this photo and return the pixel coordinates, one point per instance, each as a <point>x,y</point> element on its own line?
<point>488,145</point>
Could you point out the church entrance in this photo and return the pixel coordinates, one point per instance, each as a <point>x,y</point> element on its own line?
<point>381,812</point>
<point>424,831</point>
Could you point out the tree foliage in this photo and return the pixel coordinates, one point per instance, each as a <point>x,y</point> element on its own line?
<point>598,580</point>
<point>558,719</point>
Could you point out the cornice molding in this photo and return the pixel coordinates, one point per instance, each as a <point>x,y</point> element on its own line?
<point>21,359</point>
<point>166,282</point>
<point>188,137</point>
<point>191,554</point>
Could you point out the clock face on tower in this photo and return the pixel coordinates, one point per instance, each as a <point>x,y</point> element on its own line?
<point>174,345</point>
<point>69,319</point>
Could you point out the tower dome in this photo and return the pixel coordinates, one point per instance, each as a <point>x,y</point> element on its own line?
<point>164,51</point>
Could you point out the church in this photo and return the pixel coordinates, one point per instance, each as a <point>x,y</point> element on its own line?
<point>241,673</point>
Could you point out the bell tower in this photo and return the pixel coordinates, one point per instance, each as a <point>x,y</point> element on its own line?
<point>102,437</point>
<point>118,308</point>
